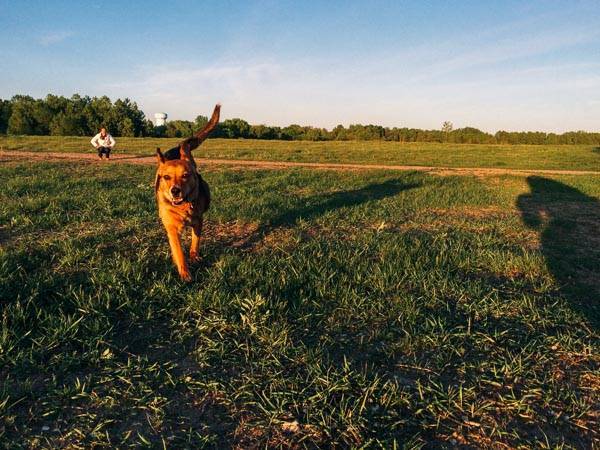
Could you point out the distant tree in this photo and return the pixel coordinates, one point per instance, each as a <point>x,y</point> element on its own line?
<point>148,129</point>
<point>123,110</point>
<point>179,128</point>
<point>446,129</point>
<point>56,104</point>
<point>83,115</point>
<point>364,132</point>
<point>292,132</point>
<point>21,118</point>
<point>339,133</point>
<point>315,134</point>
<point>97,113</point>
<point>5,110</point>
<point>71,120</point>
<point>199,123</point>
<point>552,138</point>
<point>127,127</point>
<point>234,128</point>
<point>64,124</point>
<point>159,131</point>
<point>470,135</point>
<point>263,132</point>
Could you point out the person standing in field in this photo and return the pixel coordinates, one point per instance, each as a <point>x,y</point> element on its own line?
<point>103,142</point>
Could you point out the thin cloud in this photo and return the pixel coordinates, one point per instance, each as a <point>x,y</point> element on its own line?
<point>496,53</point>
<point>183,88</point>
<point>55,37</point>
<point>454,80</point>
<point>280,94</point>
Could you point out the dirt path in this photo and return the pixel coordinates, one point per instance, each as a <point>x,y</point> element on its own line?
<point>151,160</point>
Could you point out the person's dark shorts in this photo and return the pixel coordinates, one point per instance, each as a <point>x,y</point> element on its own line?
<point>104,151</point>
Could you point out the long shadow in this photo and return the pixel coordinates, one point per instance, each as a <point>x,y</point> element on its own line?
<point>569,225</point>
<point>311,208</point>
<point>330,202</point>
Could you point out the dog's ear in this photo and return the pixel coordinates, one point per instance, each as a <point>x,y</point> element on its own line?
<point>160,156</point>
<point>185,153</point>
<point>156,182</point>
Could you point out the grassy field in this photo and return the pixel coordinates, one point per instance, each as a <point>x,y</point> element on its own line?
<point>566,157</point>
<point>349,309</point>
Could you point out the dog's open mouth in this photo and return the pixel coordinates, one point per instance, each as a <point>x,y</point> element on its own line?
<point>177,201</point>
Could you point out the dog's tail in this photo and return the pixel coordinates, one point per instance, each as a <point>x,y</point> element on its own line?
<point>201,135</point>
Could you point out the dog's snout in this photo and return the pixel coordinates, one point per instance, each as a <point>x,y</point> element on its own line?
<point>176,191</point>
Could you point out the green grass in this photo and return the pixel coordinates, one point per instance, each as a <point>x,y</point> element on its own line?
<point>565,157</point>
<point>375,308</point>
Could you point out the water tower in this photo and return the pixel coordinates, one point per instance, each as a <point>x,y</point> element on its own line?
<point>160,119</point>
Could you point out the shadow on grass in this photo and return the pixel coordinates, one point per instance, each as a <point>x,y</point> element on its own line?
<point>312,208</point>
<point>343,199</point>
<point>569,225</point>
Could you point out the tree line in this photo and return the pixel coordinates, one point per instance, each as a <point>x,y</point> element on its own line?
<point>84,115</point>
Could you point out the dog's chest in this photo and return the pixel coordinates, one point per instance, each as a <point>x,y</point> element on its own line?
<point>187,214</point>
<point>190,216</point>
<point>183,216</point>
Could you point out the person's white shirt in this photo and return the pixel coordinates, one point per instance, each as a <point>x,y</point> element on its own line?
<point>106,141</point>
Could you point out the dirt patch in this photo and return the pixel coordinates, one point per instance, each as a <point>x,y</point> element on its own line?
<point>236,234</point>
<point>249,236</point>
<point>151,160</point>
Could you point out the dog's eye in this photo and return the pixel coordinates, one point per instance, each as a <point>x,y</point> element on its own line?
<point>167,177</point>
<point>185,175</point>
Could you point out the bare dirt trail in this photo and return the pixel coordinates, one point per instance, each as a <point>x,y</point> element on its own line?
<point>151,160</point>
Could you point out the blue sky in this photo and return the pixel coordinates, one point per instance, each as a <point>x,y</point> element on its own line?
<point>490,64</point>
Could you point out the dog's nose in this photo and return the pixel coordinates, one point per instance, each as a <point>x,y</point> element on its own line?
<point>176,191</point>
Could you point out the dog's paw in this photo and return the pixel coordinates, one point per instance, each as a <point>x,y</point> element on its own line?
<point>195,257</point>
<point>185,276</point>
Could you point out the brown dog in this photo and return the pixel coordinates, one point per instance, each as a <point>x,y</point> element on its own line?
<point>182,195</point>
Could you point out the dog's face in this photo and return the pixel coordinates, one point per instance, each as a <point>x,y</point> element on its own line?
<point>175,179</point>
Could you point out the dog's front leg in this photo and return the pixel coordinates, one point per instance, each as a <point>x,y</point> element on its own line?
<point>177,254</point>
<point>195,247</point>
